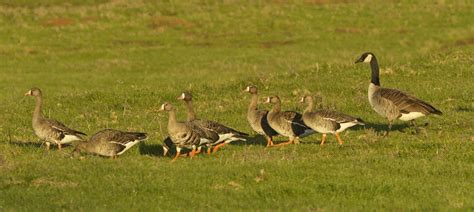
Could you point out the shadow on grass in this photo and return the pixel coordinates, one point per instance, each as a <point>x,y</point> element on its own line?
<point>258,140</point>
<point>383,127</point>
<point>27,144</point>
<point>151,149</point>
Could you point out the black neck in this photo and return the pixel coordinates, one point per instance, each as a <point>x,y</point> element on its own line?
<point>375,71</point>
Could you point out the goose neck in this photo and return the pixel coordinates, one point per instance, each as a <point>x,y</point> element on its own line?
<point>37,113</point>
<point>375,71</point>
<point>190,111</point>
<point>253,102</point>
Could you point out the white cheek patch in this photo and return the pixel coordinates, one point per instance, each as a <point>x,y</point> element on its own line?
<point>368,58</point>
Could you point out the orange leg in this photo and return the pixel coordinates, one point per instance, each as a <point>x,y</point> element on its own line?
<point>192,153</point>
<point>339,139</point>
<point>198,151</point>
<point>284,143</point>
<point>48,145</point>
<point>208,150</point>
<point>269,142</point>
<point>323,139</point>
<point>217,147</point>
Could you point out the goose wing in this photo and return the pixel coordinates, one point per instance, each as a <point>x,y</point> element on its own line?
<point>338,117</point>
<point>60,127</point>
<point>119,137</point>
<point>297,125</point>
<point>407,103</point>
<point>218,127</point>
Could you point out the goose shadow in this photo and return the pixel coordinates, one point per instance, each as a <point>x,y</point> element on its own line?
<point>27,144</point>
<point>258,140</point>
<point>157,149</point>
<point>382,128</point>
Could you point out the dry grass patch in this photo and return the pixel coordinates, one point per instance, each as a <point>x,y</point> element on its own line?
<point>158,22</point>
<point>273,44</point>
<point>465,42</point>
<point>58,22</point>
<point>348,30</point>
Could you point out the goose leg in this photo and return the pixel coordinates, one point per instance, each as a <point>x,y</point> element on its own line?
<point>209,150</point>
<point>269,141</point>
<point>284,143</point>
<point>389,127</point>
<point>48,145</point>
<point>217,147</point>
<point>59,146</point>
<point>323,139</point>
<point>178,153</point>
<point>193,152</point>
<point>339,139</point>
<point>198,150</point>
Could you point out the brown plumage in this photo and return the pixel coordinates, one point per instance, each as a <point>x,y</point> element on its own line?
<point>286,123</point>
<point>50,130</point>
<point>327,121</point>
<point>258,118</point>
<point>186,134</point>
<point>391,103</point>
<point>110,143</point>
<point>226,134</point>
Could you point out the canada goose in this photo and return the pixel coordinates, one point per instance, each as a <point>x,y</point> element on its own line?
<point>226,134</point>
<point>110,143</point>
<point>50,130</point>
<point>391,103</point>
<point>326,121</point>
<point>287,123</point>
<point>186,135</point>
<point>258,118</point>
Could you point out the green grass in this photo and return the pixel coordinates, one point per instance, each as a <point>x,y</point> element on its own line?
<point>106,64</point>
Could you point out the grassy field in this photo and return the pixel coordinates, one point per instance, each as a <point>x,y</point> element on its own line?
<point>110,64</point>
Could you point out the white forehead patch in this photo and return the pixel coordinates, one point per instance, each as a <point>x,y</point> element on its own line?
<point>162,107</point>
<point>368,58</point>
<point>183,95</point>
<point>247,89</point>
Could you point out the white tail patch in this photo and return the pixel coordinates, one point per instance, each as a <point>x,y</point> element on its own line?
<point>410,116</point>
<point>346,125</point>
<point>127,145</point>
<point>69,139</point>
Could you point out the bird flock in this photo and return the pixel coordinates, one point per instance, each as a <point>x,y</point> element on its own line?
<point>196,135</point>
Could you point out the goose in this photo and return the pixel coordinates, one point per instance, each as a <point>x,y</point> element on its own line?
<point>226,134</point>
<point>110,143</point>
<point>50,130</point>
<point>186,134</point>
<point>392,103</point>
<point>286,123</point>
<point>326,121</point>
<point>258,118</point>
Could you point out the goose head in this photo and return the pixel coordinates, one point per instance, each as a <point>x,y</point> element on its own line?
<point>79,148</point>
<point>306,99</point>
<point>272,100</point>
<point>251,89</point>
<point>33,92</point>
<point>365,58</point>
<point>186,96</point>
<point>166,107</point>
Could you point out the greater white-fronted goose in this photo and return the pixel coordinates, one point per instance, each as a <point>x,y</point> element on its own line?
<point>186,135</point>
<point>226,134</point>
<point>258,118</point>
<point>392,103</point>
<point>286,123</point>
<point>327,121</point>
<point>110,143</point>
<point>50,130</point>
